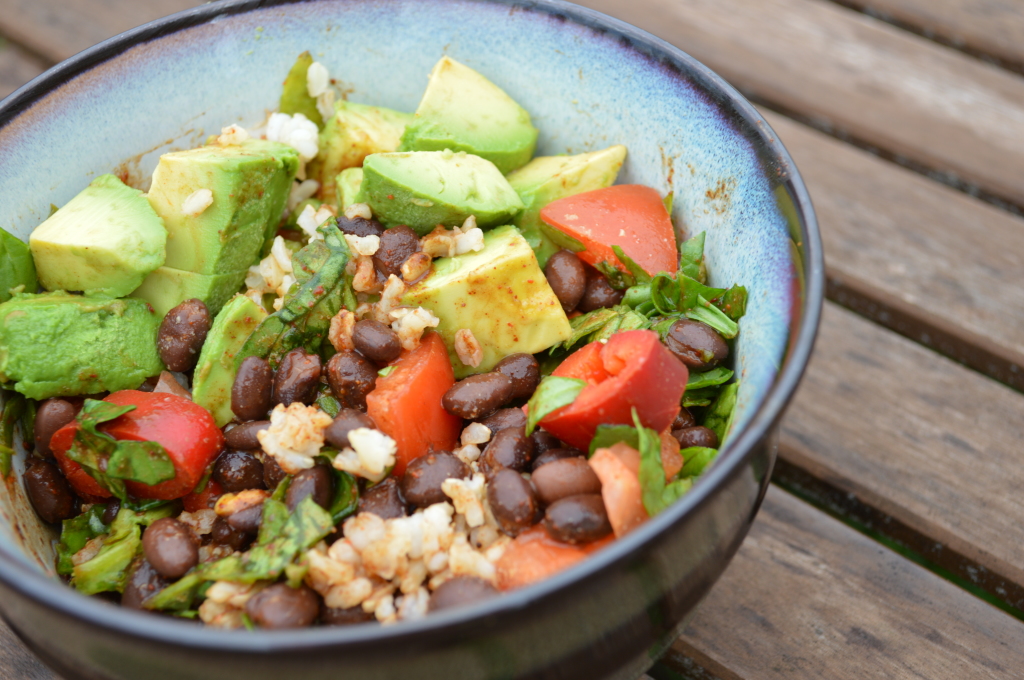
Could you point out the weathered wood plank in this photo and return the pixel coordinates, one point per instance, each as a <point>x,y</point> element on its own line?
<point>17,662</point>
<point>928,261</point>
<point>985,27</point>
<point>16,68</point>
<point>57,29</point>
<point>808,597</point>
<point>918,438</point>
<point>886,87</point>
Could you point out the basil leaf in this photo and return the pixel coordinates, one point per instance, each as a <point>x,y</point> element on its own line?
<point>552,393</point>
<point>346,496</point>
<point>702,397</point>
<point>661,325</point>
<point>178,596</point>
<point>707,313</point>
<point>108,569</point>
<point>691,259</point>
<point>75,533</point>
<point>608,330</point>
<point>697,458</point>
<point>716,376</point>
<point>92,451</point>
<point>637,295</point>
<point>691,292</point>
<point>639,274</point>
<point>561,239</point>
<point>275,514</point>
<point>665,294</point>
<point>617,279</point>
<point>733,302</point>
<point>631,321</point>
<point>329,404</point>
<point>607,436</point>
<point>145,462</point>
<point>95,411</point>
<point>719,416</point>
<point>585,324</point>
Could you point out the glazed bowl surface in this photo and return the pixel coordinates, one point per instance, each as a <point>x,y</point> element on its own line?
<point>589,81</point>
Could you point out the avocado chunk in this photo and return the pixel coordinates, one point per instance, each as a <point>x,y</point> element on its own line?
<point>103,242</point>
<point>250,183</point>
<point>548,178</point>
<point>166,288</point>
<point>463,111</point>
<point>215,370</point>
<point>58,344</point>
<point>16,266</point>
<point>295,97</point>
<point>349,183</point>
<point>423,189</point>
<point>353,133</point>
<point>498,293</point>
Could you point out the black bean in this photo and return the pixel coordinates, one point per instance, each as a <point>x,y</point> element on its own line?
<point>396,245</point>
<point>351,378</point>
<point>360,226</point>
<point>171,547</point>
<point>281,606</point>
<point>563,478</point>
<point>225,534</point>
<point>459,591</point>
<point>252,390</point>
<point>696,436</point>
<point>543,441</point>
<point>243,437</point>
<point>696,344</point>
<point>143,582</point>
<point>599,294</point>
<point>52,415</point>
<point>110,512</point>
<point>510,448</point>
<point>182,334</point>
<point>272,472</point>
<point>348,419</point>
<point>477,395</point>
<point>297,379</point>
<point>317,481</point>
<point>567,278</point>
<point>48,492</point>
<point>376,341</point>
<point>247,520</point>
<point>238,471</point>
<point>577,519</point>
<point>551,455</point>
<point>513,501</point>
<point>332,616</point>
<point>384,500</point>
<point>683,420</point>
<point>504,418</point>
<point>421,483</point>
<point>524,372</point>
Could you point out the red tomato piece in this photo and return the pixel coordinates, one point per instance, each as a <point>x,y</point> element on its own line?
<point>630,216</point>
<point>618,468</point>
<point>186,430</point>
<point>534,555</point>
<point>406,404</point>
<point>641,374</point>
<point>205,500</point>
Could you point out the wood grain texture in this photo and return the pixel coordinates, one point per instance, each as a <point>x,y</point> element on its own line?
<point>931,262</point>
<point>916,436</point>
<point>888,88</point>
<point>808,597</point>
<point>57,29</point>
<point>16,68</point>
<point>988,27</point>
<point>17,662</point>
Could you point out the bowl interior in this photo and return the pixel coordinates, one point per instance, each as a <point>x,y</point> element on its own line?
<point>585,87</point>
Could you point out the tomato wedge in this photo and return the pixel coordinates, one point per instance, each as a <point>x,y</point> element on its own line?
<point>630,216</point>
<point>406,404</point>
<point>534,555</point>
<point>632,370</point>
<point>186,430</point>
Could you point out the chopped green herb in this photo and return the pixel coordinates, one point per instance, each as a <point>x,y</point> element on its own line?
<point>701,397</point>
<point>716,376</point>
<point>697,458</point>
<point>668,201</point>
<point>640,276</point>
<point>608,435</point>
<point>719,417</point>
<point>108,569</point>
<point>707,313</point>
<point>617,279</point>
<point>75,533</point>
<point>691,258</point>
<point>552,393</point>
<point>733,302</point>
<point>561,239</point>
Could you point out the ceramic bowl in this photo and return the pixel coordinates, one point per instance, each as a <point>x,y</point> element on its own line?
<point>588,81</point>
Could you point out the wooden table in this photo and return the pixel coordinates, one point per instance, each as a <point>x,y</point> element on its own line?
<point>891,543</point>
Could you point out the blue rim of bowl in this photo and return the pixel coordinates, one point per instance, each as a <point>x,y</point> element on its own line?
<point>57,596</point>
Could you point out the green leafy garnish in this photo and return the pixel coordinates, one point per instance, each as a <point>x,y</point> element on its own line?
<point>706,312</point>
<point>716,376</point>
<point>637,295</point>
<point>322,288</point>
<point>346,496</point>
<point>656,493</point>
<point>275,514</point>
<point>295,95</point>
<point>111,462</point>
<point>607,436</point>
<point>691,258</point>
<point>14,409</point>
<point>734,302</point>
<point>75,533</point>
<point>552,393</point>
<point>617,279</point>
<point>640,276</point>
<point>702,397</point>
<point>719,416</point>
<point>327,403</point>
<point>108,569</point>
<point>697,458</point>
<point>561,239</point>
<point>667,201</point>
